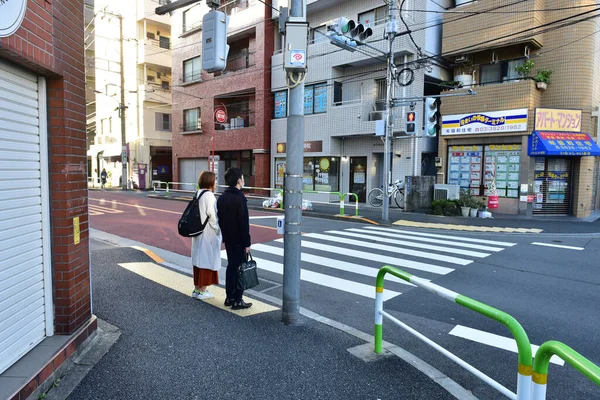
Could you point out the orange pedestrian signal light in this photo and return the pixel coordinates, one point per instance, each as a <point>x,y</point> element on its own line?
<point>410,117</point>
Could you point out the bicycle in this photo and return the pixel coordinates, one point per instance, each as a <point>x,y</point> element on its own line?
<point>396,190</point>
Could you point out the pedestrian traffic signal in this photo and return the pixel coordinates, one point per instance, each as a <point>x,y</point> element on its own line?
<point>346,34</point>
<point>410,122</point>
<point>432,116</point>
<point>214,41</point>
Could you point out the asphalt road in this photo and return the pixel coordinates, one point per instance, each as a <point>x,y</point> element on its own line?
<point>551,291</point>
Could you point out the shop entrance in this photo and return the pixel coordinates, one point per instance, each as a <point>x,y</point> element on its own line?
<point>552,186</point>
<point>358,177</point>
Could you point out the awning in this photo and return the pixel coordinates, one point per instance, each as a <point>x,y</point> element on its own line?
<point>543,143</point>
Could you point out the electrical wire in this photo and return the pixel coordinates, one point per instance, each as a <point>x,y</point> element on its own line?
<point>419,51</point>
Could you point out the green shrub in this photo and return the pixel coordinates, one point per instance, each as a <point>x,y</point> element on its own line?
<point>438,210</point>
<point>451,210</point>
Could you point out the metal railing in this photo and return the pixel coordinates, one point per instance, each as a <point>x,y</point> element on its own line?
<point>182,187</point>
<point>532,377</point>
<point>524,368</point>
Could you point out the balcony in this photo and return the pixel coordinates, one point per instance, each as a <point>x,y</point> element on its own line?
<point>459,36</point>
<point>237,120</point>
<point>190,128</point>
<point>155,92</point>
<point>156,52</point>
<point>495,97</point>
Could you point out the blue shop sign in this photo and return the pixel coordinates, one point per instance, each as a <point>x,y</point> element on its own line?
<point>561,144</point>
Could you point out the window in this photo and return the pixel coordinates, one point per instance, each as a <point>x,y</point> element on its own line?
<point>164,42</point>
<point>150,35</point>
<point>503,71</point>
<point>381,90</point>
<point>165,85</point>
<point>317,35</point>
<point>150,78</point>
<point>337,93</point>
<point>192,19</point>
<point>315,99</point>
<point>281,104</point>
<point>191,120</point>
<point>373,17</point>
<point>192,70</point>
<point>162,122</point>
<point>321,174</point>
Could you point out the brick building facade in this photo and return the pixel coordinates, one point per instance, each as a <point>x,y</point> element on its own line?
<point>240,95</point>
<point>45,266</point>
<point>485,48</point>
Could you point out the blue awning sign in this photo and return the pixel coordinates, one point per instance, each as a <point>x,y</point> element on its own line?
<point>562,144</point>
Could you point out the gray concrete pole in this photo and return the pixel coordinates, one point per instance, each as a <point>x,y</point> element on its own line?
<point>293,195</point>
<point>122,107</point>
<point>389,123</point>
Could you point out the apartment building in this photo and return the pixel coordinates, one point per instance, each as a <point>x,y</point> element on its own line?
<point>345,95</point>
<point>228,113</point>
<point>535,142</point>
<point>146,44</point>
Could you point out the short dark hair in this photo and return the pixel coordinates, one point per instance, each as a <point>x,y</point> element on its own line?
<point>206,180</point>
<point>232,175</point>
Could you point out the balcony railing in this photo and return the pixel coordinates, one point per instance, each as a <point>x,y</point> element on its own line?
<point>244,59</point>
<point>237,120</point>
<point>190,127</point>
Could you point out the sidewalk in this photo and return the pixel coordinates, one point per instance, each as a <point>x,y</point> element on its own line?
<point>501,223</point>
<point>172,346</point>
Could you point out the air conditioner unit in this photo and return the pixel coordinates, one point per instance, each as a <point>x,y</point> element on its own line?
<point>461,59</point>
<point>452,191</point>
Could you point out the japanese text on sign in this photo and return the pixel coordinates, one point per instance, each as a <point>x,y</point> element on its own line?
<point>558,120</point>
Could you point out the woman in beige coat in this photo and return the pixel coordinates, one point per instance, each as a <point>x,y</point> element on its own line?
<point>206,248</point>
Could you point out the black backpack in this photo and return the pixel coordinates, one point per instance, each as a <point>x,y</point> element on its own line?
<point>190,224</point>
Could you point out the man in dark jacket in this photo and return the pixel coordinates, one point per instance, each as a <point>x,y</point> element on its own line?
<point>234,222</point>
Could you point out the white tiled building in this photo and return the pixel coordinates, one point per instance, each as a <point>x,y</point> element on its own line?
<point>345,95</point>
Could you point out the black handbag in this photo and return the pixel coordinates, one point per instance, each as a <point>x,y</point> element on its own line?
<point>247,277</point>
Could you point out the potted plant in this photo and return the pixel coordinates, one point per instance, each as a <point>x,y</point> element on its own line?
<point>451,85</point>
<point>464,202</point>
<point>524,70</point>
<point>474,204</point>
<point>542,78</point>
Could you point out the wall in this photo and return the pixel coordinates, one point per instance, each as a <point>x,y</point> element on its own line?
<point>50,43</point>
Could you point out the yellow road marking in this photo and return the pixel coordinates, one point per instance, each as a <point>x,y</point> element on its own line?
<point>183,284</point>
<point>150,254</point>
<point>470,228</point>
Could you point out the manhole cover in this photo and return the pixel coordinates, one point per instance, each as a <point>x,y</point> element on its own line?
<point>264,285</point>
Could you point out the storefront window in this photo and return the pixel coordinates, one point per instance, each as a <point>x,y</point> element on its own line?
<point>321,174</point>
<point>471,166</point>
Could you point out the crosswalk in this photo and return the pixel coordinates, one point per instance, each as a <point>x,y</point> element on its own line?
<point>349,260</point>
<point>94,209</point>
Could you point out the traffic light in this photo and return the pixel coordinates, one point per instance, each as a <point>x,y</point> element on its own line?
<point>432,116</point>
<point>346,34</point>
<point>214,41</point>
<point>410,122</point>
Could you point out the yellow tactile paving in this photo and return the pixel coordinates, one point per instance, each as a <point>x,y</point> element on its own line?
<point>183,284</point>
<point>469,228</point>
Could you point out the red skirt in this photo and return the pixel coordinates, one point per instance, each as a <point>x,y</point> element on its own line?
<point>205,277</point>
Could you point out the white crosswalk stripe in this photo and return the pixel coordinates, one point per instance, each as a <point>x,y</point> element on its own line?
<point>99,210</point>
<point>349,260</point>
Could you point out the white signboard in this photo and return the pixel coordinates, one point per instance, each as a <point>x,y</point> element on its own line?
<point>485,122</point>
<point>11,16</point>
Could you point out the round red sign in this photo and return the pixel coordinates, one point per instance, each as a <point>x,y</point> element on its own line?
<point>221,116</point>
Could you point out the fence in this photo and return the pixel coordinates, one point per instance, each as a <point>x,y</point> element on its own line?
<point>169,187</point>
<point>528,388</point>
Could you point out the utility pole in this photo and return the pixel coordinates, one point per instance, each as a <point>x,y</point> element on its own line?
<point>296,45</point>
<point>122,108</point>
<point>391,30</point>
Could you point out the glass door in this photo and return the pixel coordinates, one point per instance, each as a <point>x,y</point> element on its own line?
<point>358,178</point>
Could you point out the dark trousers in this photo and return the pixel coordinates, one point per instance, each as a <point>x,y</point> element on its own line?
<point>235,256</point>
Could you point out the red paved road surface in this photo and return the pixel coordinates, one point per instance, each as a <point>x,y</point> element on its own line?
<point>154,221</point>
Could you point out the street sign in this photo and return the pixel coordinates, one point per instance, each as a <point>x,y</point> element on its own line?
<point>221,115</point>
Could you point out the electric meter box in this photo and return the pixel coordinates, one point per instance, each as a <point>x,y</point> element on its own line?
<point>296,44</point>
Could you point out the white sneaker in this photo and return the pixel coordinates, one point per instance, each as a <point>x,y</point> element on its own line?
<point>205,295</point>
<point>195,294</point>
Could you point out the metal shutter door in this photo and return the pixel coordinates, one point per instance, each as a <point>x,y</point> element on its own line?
<point>22,256</point>
<point>189,171</point>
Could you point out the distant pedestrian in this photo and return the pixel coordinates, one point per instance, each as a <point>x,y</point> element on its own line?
<point>232,210</point>
<point>206,248</point>
<point>103,176</point>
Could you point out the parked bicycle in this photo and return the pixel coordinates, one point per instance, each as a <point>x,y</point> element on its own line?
<point>396,190</point>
